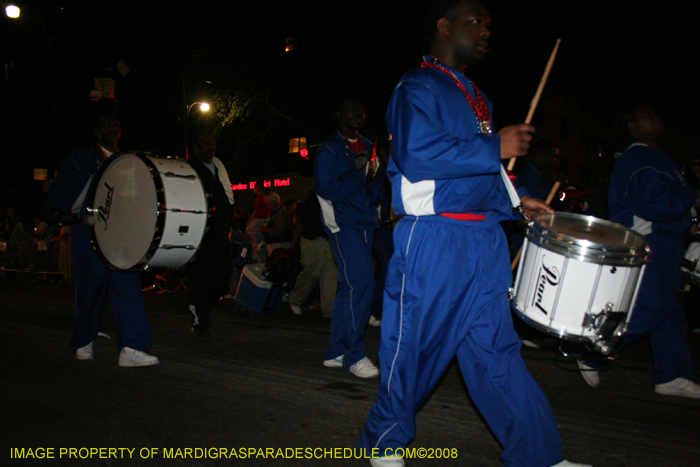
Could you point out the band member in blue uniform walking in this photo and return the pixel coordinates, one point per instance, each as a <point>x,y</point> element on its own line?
<point>649,194</point>
<point>94,282</point>
<point>347,183</point>
<point>446,289</point>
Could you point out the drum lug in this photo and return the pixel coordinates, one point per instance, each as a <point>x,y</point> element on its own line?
<point>608,326</point>
<point>595,322</point>
<point>620,330</point>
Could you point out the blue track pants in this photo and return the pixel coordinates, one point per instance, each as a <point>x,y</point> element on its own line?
<point>658,315</point>
<point>352,249</point>
<point>446,296</point>
<point>94,282</point>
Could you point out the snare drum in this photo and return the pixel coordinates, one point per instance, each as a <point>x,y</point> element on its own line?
<point>579,277</point>
<point>147,211</point>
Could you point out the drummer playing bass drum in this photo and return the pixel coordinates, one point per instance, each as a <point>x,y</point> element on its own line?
<point>93,280</point>
<point>649,194</point>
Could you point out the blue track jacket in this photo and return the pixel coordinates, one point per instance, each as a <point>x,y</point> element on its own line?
<point>346,198</point>
<point>439,162</point>
<point>72,177</point>
<point>648,192</point>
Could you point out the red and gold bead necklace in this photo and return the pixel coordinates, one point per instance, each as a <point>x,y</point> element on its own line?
<point>478,105</point>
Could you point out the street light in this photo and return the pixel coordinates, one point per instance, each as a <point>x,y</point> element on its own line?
<point>12,11</point>
<point>203,107</point>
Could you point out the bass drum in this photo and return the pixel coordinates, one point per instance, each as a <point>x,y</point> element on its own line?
<point>147,211</point>
<point>579,277</point>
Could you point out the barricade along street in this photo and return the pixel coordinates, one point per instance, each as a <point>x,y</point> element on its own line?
<point>37,257</point>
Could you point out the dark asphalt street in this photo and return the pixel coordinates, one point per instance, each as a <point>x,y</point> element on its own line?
<point>257,383</point>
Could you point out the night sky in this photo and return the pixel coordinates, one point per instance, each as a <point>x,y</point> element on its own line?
<point>611,51</point>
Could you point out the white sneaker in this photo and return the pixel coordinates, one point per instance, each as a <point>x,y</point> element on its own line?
<point>528,343</point>
<point>336,362</point>
<point>296,309</point>
<point>364,369</point>
<point>374,321</point>
<point>195,317</point>
<point>589,374</point>
<point>85,353</point>
<point>679,387</point>
<point>132,357</point>
<point>571,464</point>
<point>387,462</point>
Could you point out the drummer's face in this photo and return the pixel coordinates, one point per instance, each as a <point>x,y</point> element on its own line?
<point>467,30</point>
<point>647,126</point>
<point>352,115</point>
<point>108,131</point>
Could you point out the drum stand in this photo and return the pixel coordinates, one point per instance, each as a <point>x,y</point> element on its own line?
<point>170,280</point>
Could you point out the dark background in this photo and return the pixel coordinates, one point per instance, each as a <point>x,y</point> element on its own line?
<point>179,52</point>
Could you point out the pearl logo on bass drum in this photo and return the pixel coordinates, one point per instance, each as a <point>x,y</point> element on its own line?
<point>103,211</point>
<point>547,283</point>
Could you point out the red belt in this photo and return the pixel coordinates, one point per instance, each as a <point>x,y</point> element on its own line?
<point>467,216</point>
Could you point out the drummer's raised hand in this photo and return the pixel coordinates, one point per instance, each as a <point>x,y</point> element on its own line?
<point>533,205</point>
<point>515,140</point>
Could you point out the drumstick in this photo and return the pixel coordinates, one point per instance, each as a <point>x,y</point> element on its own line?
<point>549,199</point>
<point>536,99</point>
<point>553,192</point>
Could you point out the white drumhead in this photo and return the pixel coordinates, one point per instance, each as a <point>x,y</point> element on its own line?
<point>127,210</point>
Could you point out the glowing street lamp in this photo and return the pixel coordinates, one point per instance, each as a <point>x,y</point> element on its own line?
<point>12,11</point>
<point>203,107</point>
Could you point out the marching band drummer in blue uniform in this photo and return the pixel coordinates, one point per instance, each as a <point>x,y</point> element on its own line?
<point>649,194</point>
<point>93,280</point>
<point>446,290</point>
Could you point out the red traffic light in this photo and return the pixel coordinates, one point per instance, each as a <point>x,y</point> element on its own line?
<point>304,153</point>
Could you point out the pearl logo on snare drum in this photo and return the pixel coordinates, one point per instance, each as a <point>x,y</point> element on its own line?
<point>548,277</point>
<point>103,211</point>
